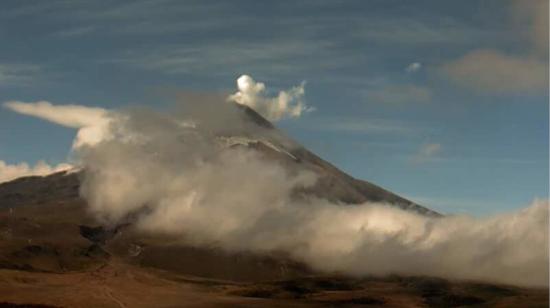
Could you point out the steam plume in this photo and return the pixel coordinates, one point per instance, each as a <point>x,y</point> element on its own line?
<point>287,104</point>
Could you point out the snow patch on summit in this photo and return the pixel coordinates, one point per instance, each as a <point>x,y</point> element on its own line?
<point>241,140</point>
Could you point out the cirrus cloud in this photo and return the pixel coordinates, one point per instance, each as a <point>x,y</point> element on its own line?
<point>401,93</point>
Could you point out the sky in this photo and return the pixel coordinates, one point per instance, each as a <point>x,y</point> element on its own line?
<point>442,102</point>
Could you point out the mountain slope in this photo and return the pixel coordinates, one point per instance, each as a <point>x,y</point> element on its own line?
<point>332,184</point>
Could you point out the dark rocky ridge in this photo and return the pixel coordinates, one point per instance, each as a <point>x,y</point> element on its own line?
<point>58,187</point>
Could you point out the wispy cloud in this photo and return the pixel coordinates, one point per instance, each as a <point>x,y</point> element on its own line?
<point>18,74</point>
<point>427,152</point>
<point>74,32</point>
<point>413,67</point>
<point>408,31</point>
<point>494,70</point>
<point>279,56</point>
<point>357,125</point>
<point>534,13</point>
<point>399,94</point>
<point>299,44</point>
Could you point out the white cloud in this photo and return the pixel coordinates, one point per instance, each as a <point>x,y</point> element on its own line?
<point>282,57</point>
<point>427,152</point>
<point>10,172</point>
<point>492,70</point>
<point>91,122</point>
<point>287,104</point>
<point>398,94</point>
<point>413,67</point>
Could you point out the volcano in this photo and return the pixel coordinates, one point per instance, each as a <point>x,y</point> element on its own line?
<point>332,183</point>
<point>53,253</point>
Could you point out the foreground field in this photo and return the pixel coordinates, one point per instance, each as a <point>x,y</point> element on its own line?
<point>121,285</point>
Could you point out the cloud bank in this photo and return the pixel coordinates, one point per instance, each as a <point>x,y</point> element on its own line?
<point>287,104</point>
<point>10,172</point>
<point>178,180</point>
<point>91,122</point>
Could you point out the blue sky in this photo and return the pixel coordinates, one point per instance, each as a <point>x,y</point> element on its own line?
<point>444,102</point>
